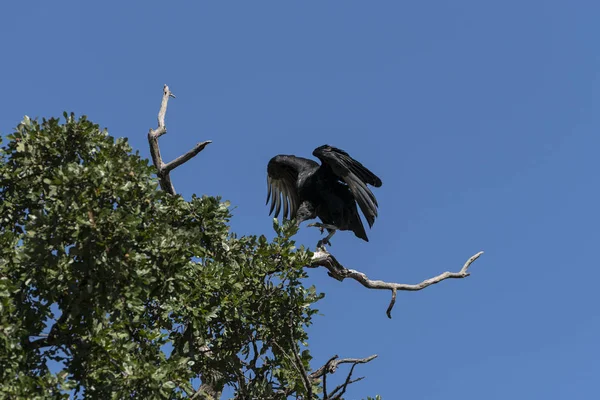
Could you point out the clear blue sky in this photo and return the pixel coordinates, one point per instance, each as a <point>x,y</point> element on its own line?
<point>481,119</point>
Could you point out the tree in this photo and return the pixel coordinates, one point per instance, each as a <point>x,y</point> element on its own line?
<point>110,287</point>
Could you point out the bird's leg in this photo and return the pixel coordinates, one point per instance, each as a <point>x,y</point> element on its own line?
<point>330,228</point>
<point>325,240</point>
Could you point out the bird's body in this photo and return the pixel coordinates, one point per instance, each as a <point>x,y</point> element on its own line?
<point>306,190</point>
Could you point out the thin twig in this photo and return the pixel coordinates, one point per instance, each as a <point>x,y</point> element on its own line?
<point>344,386</point>
<point>336,270</point>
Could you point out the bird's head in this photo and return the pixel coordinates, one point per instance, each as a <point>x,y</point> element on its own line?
<point>323,150</point>
<point>328,148</point>
<point>325,147</point>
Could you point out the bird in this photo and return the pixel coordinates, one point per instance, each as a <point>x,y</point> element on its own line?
<point>305,190</point>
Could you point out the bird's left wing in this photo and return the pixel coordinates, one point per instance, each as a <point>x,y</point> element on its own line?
<point>355,175</point>
<point>282,180</point>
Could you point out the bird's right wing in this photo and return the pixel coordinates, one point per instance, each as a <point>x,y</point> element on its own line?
<point>355,175</point>
<point>282,180</point>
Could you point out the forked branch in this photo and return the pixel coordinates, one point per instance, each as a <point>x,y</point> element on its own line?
<point>163,170</point>
<point>330,367</point>
<point>336,270</point>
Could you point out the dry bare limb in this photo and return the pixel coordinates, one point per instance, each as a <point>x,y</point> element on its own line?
<point>330,367</point>
<point>163,170</point>
<point>322,258</point>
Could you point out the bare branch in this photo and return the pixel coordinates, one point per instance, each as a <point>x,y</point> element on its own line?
<point>336,270</point>
<point>334,395</point>
<point>331,366</point>
<point>187,156</point>
<point>323,372</point>
<point>163,109</point>
<point>163,169</point>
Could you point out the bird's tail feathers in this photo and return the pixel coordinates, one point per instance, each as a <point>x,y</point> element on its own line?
<point>357,226</point>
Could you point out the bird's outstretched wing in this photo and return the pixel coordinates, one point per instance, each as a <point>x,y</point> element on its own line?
<point>355,175</point>
<point>282,180</point>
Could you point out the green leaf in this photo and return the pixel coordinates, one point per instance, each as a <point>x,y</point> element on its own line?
<point>169,385</point>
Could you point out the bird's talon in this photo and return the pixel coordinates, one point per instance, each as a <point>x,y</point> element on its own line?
<point>321,243</point>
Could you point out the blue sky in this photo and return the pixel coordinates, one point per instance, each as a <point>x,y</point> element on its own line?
<point>481,119</point>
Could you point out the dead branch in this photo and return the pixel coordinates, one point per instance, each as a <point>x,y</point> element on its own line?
<point>336,270</point>
<point>163,170</point>
<point>330,367</point>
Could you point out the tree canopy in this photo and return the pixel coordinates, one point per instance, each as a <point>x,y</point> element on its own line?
<point>112,288</point>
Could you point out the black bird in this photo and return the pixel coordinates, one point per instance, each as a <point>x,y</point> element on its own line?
<point>306,190</point>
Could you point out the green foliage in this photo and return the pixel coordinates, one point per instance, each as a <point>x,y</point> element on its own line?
<point>135,293</point>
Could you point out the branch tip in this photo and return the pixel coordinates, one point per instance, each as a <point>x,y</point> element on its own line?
<point>392,303</point>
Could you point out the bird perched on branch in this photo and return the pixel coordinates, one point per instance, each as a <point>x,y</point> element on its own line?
<point>306,190</point>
